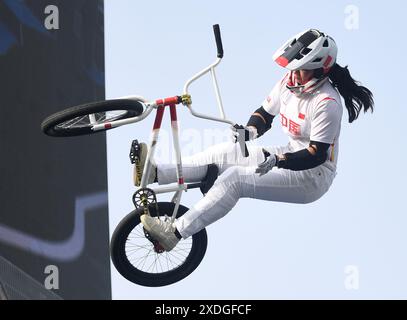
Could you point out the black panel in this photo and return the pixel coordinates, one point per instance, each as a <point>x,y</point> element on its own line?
<point>53,190</point>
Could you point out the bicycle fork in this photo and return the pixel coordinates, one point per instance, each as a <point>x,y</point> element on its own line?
<point>150,155</point>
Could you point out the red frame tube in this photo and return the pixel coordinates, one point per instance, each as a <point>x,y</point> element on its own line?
<point>158,118</point>
<point>168,101</point>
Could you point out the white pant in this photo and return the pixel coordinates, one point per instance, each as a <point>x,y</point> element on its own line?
<point>238,179</point>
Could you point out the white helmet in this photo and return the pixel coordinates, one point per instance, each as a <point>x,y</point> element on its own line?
<point>308,50</point>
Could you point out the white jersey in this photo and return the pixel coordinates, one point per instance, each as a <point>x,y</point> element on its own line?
<point>315,116</point>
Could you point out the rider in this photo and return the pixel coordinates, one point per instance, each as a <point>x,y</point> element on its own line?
<point>308,100</point>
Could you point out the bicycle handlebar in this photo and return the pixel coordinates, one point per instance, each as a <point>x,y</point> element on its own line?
<point>176,100</point>
<point>218,39</point>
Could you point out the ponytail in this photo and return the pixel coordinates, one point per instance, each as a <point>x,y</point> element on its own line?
<point>356,96</point>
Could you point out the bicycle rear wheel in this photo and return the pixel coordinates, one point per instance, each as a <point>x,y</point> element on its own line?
<point>79,120</point>
<point>134,256</point>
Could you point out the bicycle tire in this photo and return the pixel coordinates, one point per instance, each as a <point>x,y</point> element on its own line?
<point>133,274</point>
<point>52,125</point>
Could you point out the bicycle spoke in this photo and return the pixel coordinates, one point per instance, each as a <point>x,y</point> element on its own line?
<point>152,264</point>
<point>72,122</point>
<point>181,250</point>
<point>137,245</point>
<point>102,117</point>
<point>128,254</point>
<point>179,255</point>
<point>135,259</point>
<point>84,121</point>
<point>137,248</point>
<point>159,261</point>
<point>141,261</point>
<point>139,251</point>
<point>145,257</point>
<point>138,232</point>
<point>175,257</point>
<point>167,260</point>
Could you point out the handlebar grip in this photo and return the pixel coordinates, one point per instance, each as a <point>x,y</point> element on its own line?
<point>218,38</point>
<point>245,152</point>
<point>243,147</point>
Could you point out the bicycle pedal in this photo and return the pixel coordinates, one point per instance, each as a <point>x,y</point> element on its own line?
<point>158,248</point>
<point>134,151</point>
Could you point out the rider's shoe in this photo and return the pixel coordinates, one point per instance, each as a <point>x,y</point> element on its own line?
<point>161,231</point>
<point>139,164</point>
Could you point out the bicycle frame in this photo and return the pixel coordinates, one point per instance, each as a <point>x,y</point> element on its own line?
<point>172,102</point>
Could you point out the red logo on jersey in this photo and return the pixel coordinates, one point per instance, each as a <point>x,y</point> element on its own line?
<point>301,116</point>
<point>293,127</point>
<point>283,120</point>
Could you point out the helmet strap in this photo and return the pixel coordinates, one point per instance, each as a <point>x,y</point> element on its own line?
<point>306,88</point>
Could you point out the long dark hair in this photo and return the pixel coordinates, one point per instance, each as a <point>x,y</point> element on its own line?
<point>356,96</point>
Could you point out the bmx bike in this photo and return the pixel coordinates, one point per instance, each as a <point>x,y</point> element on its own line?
<point>135,254</point>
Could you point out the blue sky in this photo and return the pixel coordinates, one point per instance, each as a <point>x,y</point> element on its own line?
<point>266,250</point>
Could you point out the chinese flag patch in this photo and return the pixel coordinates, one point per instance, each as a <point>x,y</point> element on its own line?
<point>301,116</point>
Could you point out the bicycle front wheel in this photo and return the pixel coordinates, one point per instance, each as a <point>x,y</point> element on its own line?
<point>134,256</point>
<point>79,120</point>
